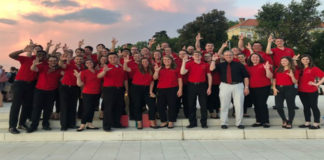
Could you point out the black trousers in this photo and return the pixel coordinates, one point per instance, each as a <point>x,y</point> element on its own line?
<point>90,102</point>
<point>131,96</point>
<point>80,104</point>
<point>259,97</point>
<point>22,96</point>
<point>310,101</point>
<point>43,101</point>
<point>141,97</point>
<point>113,100</point>
<point>68,98</point>
<point>57,101</point>
<point>287,93</point>
<point>213,101</point>
<point>199,90</point>
<point>167,101</point>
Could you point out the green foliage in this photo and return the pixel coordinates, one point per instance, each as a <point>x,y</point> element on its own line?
<point>317,49</point>
<point>212,26</point>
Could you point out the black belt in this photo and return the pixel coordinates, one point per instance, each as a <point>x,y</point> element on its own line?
<point>197,83</point>
<point>233,83</point>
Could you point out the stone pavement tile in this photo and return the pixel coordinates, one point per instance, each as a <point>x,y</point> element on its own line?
<point>43,151</point>
<point>153,134</point>
<point>315,134</point>
<point>195,150</point>
<point>99,135</point>
<point>218,150</point>
<point>21,150</point>
<point>173,150</point>
<point>86,150</point>
<point>213,133</point>
<point>66,150</point>
<point>39,135</point>
<point>108,150</point>
<point>151,150</point>
<point>275,132</point>
<point>129,150</point>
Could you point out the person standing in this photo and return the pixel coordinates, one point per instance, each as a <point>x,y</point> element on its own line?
<point>232,74</point>
<point>199,84</point>
<point>283,87</point>
<point>260,81</point>
<point>308,90</point>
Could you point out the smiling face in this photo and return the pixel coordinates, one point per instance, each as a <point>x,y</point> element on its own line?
<point>228,56</point>
<point>167,61</point>
<point>209,47</point>
<point>89,64</point>
<point>305,61</point>
<point>208,57</point>
<point>113,59</point>
<point>279,42</point>
<point>284,62</point>
<point>78,60</point>
<point>255,59</point>
<point>145,63</point>
<point>196,56</point>
<point>257,47</point>
<point>52,61</point>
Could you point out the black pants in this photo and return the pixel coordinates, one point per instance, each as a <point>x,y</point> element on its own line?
<point>113,99</point>
<point>90,102</point>
<point>80,104</point>
<point>213,101</point>
<point>141,96</point>
<point>43,100</point>
<point>287,93</point>
<point>68,98</point>
<point>199,90</point>
<point>310,101</point>
<point>167,101</point>
<point>22,96</point>
<point>259,97</point>
<point>131,96</point>
<point>57,101</point>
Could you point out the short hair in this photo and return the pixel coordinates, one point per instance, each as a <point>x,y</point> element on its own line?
<point>241,54</point>
<point>197,52</point>
<point>41,52</point>
<point>112,53</point>
<point>100,44</point>
<point>89,47</point>
<point>229,52</point>
<point>52,56</point>
<point>80,49</point>
<point>125,49</point>
<point>183,51</point>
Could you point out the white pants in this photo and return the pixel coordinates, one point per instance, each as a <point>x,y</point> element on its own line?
<point>226,92</point>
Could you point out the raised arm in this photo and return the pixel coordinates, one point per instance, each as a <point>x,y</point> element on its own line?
<point>197,43</point>
<point>221,50</point>
<point>267,67</point>
<point>15,54</point>
<point>78,76</point>
<point>151,42</point>
<point>57,46</point>
<point>113,44</point>
<point>156,72</point>
<point>125,65</point>
<point>212,65</point>
<point>33,67</point>
<point>183,69</point>
<point>270,40</point>
<point>241,42</point>
<point>48,46</point>
<point>103,72</point>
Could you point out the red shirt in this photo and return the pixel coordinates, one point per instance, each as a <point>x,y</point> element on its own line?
<point>94,58</point>
<point>121,59</point>
<point>216,78</point>
<point>265,56</point>
<point>283,79</point>
<point>133,66</point>
<point>142,79</point>
<point>168,78</point>
<point>309,75</point>
<point>114,77</point>
<point>24,72</point>
<point>197,72</point>
<point>236,60</point>
<point>69,79</point>
<point>278,54</point>
<point>48,80</point>
<point>258,76</point>
<point>92,83</point>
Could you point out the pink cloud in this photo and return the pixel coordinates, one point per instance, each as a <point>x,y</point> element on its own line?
<point>162,5</point>
<point>244,12</point>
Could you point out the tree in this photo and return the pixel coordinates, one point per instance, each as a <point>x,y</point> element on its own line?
<point>212,26</point>
<point>317,49</point>
<point>292,23</point>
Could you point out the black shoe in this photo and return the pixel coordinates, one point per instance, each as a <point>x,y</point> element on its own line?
<point>74,127</point>
<point>256,125</point>
<point>274,107</point>
<point>240,127</point>
<point>155,127</point>
<point>47,128</point>
<point>80,129</point>
<point>191,126</point>
<point>246,116</point>
<point>30,130</point>
<point>170,127</point>
<point>266,125</point>
<point>314,127</point>
<point>204,126</point>
<point>304,126</point>
<point>63,129</point>
<point>13,131</point>
<point>94,128</point>
<point>107,129</point>
<point>23,126</point>
<point>296,108</point>
<point>224,127</point>
<point>118,126</point>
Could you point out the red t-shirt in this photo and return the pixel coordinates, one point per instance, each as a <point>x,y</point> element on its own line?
<point>121,59</point>
<point>278,54</point>
<point>258,76</point>
<point>133,66</point>
<point>69,79</point>
<point>197,72</point>
<point>283,79</point>
<point>168,78</point>
<point>216,78</point>
<point>24,72</point>
<point>265,56</point>
<point>48,80</point>
<point>114,77</point>
<point>142,79</point>
<point>94,58</point>
<point>309,75</point>
<point>92,83</point>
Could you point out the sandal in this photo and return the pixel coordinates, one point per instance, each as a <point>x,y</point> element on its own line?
<point>314,127</point>
<point>284,124</point>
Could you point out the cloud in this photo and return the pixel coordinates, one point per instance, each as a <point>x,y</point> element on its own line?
<point>60,3</point>
<point>8,21</point>
<point>92,15</point>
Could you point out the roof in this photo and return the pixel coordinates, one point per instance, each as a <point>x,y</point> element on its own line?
<point>249,23</point>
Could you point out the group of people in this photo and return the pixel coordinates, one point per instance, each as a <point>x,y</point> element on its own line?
<point>164,81</point>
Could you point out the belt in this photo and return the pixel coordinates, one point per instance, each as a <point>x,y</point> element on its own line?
<point>233,83</point>
<point>197,83</point>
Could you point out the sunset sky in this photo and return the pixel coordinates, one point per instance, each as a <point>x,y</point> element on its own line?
<point>97,21</point>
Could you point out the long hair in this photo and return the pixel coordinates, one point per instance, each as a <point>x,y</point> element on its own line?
<point>301,66</point>
<point>173,64</point>
<point>249,61</point>
<point>291,64</point>
<point>144,70</point>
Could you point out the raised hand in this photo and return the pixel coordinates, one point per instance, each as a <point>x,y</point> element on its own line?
<point>65,47</point>
<point>57,46</point>
<point>248,46</point>
<point>241,37</point>
<point>29,48</point>
<point>225,44</point>
<point>119,53</point>
<point>151,41</point>
<point>270,39</point>
<point>31,42</point>
<point>114,41</point>
<point>266,65</point>
<point>185,59</point>
<point>157,68</point>
<point>184,47</point>
<point>158,47</point>
<point>296,57</point>
<point>50,43</point>
<point>106,69</point>
<point>77,74</point>
<point>36,61</point>
<point>290,73</point>
<point>198,37</point>
<point>126,59</point>
<point>215,57</point>
<point>64,57</point>
<point>81,43</point>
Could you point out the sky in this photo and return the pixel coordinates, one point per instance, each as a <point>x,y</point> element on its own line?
<point>98,21</point>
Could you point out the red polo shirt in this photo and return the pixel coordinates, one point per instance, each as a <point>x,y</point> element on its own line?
<point>197,72</point>
<point>283,79</point>
<point>258,76</point>
<point>48,80</point>
<point>309,75</point>
<point>265,56</point>
<point>114,77</point>
<point>168,78</point>
<point>92,83</point>
<point>133,66</point>
<point>69,79</point>
<point>143,79</point>
<point>278,54</point>
<point>24,72</point>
